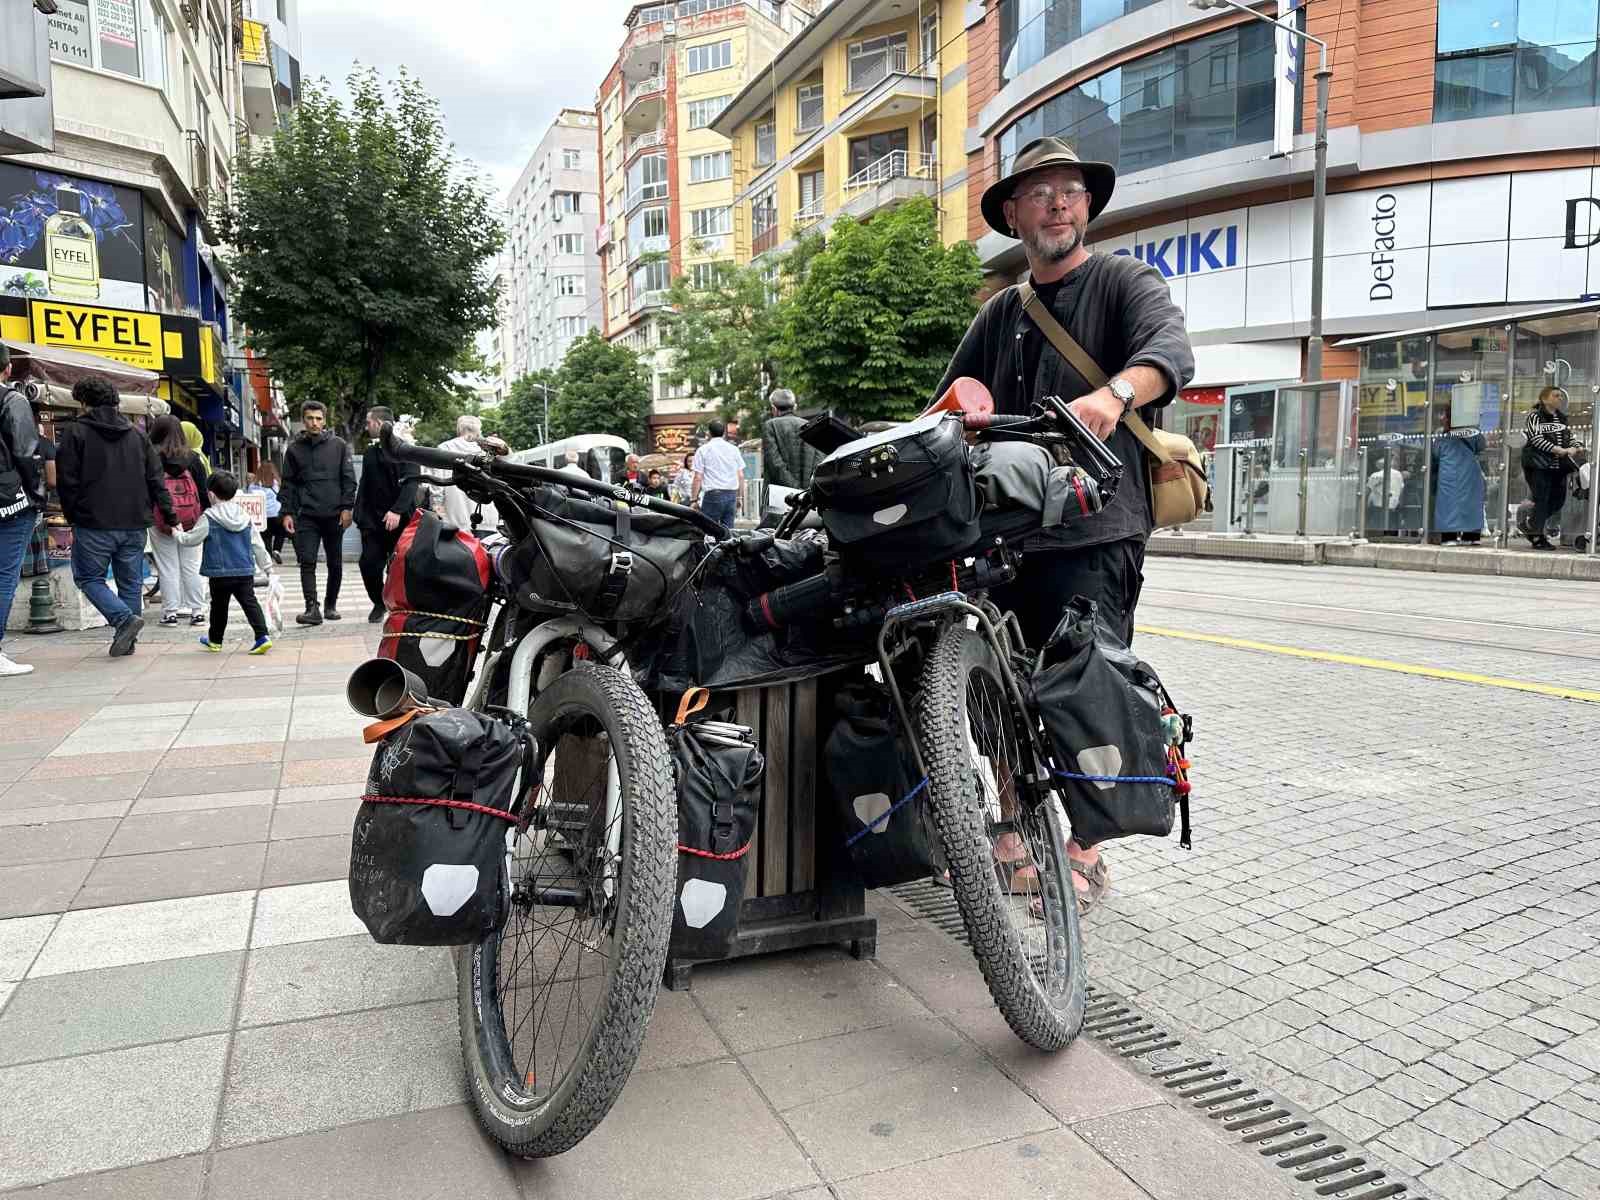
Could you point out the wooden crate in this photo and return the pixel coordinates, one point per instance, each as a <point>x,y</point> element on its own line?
<point>799,890</point>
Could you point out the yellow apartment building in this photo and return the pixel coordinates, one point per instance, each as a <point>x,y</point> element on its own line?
<point>862,110</point>
<point>667,179</point>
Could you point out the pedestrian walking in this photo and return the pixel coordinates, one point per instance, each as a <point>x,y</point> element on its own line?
<point>683,480</point>
<point>110,481</point>
<point>718,475</point>
<point>384,503</point>
<point>319,499</point>
<point>1121,314</point>
<point>1459,487</point>
<point>264,483</point>
<point>231,550</point>
<point>1547,459</point>
<point>654,485</point>
<point>786,460</point>
<point>458,509</point>
<point>183,591</point>
<point>21,495</point>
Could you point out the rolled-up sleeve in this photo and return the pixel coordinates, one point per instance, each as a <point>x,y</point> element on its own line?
<point>1157,336</point>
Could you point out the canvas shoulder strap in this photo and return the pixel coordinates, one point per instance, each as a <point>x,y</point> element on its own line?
<point>1067,346</point>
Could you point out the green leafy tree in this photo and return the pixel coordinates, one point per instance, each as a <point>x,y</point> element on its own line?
<point>876,314</point>
<point>724,340</point>
<point>362,250</point>
<point>600,388</point>
<point>521,413</point>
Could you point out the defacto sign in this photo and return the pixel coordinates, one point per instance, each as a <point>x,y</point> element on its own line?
<point>1527,238</point>
<point>130,337</point>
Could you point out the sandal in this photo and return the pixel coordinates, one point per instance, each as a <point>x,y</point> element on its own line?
<point>1095,875</point>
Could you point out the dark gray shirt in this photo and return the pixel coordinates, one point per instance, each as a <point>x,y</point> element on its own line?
<point>1121,312</point>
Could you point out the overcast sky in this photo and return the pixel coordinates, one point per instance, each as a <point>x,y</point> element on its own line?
<point>500,68</point>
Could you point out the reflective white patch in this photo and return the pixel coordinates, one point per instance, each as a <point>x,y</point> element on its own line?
<point>1101,760</point>
<point>702,900</point>
<point>871,807</point>
<point>435,651</point>
<point>447,886</point>
<point>890,515</point>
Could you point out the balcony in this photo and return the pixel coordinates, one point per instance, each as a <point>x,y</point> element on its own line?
<point>866,71</point>
<point>645,104</point>
<point>764,241</point>
<point>891,181</point>
<point>649,140</point>
<point>643,300</point>
<point>809,215</point>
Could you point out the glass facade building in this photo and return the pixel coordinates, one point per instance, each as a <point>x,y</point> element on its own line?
<point>1496,57</point>
<point>1212,93</point>
<point>1032,30</point>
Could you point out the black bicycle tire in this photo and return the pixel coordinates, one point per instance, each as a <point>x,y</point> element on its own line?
<point>941,705</point>
<point>644,922</point>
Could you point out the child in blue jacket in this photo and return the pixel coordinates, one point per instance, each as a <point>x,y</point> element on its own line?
<point>233,549</point>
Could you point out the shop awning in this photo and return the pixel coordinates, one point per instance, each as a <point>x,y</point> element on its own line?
<point>63,368</point>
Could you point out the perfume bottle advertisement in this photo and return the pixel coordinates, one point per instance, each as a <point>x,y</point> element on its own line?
<point>63,237</point>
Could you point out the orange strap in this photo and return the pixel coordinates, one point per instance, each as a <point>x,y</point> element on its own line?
<point>693,701</point>
<point>379,730</point>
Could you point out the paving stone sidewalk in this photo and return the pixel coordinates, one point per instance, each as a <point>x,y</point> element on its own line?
<point>188,1008</point>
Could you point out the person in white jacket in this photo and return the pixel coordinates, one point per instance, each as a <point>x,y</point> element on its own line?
<point>233,549</point>
<point>457,506</point>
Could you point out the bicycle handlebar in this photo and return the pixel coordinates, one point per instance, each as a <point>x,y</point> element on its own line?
<point>526,473</point>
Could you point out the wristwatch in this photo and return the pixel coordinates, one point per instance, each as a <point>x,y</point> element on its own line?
<point>1123,390</point>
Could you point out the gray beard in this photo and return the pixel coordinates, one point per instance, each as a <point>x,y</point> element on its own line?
<point>1047,251</point>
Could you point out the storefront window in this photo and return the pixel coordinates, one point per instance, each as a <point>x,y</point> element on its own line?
<point>1466,438</point>
<point>1030,30</point>
<point>1502,56</point>
<point>1198,97</point>
<point>1392,428</point>
<point>1560,352</point>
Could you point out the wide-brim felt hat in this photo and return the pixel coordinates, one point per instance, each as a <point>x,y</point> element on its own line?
<point>1099,177</point>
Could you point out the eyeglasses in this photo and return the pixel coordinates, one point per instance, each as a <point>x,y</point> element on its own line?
<point>1042,195</point>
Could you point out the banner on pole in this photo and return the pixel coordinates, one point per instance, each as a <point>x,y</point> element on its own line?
<point>1285,78</point>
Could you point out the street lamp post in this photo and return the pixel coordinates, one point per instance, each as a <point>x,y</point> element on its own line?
<point>1319,193</point>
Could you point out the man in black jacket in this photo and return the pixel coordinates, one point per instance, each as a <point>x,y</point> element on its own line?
<point>110,481</point>
<point>384,503</point>
<point>1121,312</point>
<point>21,494</point>
<point>318,498</point>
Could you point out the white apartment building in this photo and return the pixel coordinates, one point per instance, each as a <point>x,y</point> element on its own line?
<point>550,270</point>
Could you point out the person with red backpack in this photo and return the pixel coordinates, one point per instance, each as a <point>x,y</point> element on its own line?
<point>182,589</point>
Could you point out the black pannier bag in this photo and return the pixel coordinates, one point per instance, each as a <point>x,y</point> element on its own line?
<point>902,498</point>
<point>888,824</point>
<point>1113,725</point>
<point>437,596</point>
<point>611,562</point>
<point>427,854</point>
<point>718,769</point>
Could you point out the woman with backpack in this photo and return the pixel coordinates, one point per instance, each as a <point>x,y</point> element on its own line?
<point>183,592</point>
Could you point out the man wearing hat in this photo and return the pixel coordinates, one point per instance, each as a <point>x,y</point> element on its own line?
<point>786,460</point>
<point>1121,312</point>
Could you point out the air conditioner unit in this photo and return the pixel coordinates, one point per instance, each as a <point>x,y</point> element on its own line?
<point>556,217</point>
<point>668,28</point>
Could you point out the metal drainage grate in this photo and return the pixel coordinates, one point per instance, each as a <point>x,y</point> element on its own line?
<point>1281,1132</point>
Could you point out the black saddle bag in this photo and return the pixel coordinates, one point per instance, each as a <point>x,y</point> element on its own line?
<point>888,825</point>
<point>902,498</point>
<point>718,769</point>
<point>1117,737</point>
<point>428,851</point>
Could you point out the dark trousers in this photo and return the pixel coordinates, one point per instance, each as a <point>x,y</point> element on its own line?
<point>1548,491</point>
<point>1111,574</point>
<point>275,535</point>
<point>377,545</point>
<point>242,589</point>
<point>309,534</point>
<point>720,504</point>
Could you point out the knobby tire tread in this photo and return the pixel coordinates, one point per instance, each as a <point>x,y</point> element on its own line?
<point>940,709</point>
<point>646,922</point>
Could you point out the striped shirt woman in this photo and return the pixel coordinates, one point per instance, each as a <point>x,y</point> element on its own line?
<point>1546,460</point>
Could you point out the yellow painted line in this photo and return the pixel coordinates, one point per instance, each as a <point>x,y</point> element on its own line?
<point>1377,664</point>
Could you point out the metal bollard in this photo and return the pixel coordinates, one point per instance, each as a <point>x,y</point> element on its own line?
<point>1361,499</point>
<point>1305,490</point>
<point>1249,493</point>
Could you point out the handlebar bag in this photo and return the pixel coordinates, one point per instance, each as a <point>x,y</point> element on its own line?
<point>902,498</point>
<point>437,596</point>
<point>719,772</point>
<point>429,848</point>
<point>1024,491</point>
<point>1103,711</point>
<point>610,562</point>
<point>888,825</point>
